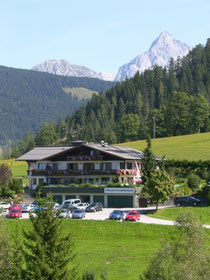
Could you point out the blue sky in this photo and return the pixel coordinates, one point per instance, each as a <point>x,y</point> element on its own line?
<point>99,34</point>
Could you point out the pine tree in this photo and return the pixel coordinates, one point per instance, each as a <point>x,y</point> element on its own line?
<point>48,253</point>
<point>149,162</point>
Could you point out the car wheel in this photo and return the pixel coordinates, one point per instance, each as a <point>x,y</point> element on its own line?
<point>178,204</point>
<point>195,204</point>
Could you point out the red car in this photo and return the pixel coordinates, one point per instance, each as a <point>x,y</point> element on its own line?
<point>15,213</point>
<point>133,216</point>
<point>13,206</point>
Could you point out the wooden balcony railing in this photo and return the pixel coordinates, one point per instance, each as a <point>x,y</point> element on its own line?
<point>48,173</point>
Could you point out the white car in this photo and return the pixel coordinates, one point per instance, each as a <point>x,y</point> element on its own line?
<point>4,205</point>
<point>27,208</point>
<point>81,206</point>
<point>4,213</point>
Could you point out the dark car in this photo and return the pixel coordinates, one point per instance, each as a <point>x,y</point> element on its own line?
<point>186,200</point>
<point>117,215</point>
<point>93,207</point>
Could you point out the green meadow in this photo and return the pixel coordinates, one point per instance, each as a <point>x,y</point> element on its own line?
<point>202,212</point>
<point>120,249</point>
<point>188,147</point>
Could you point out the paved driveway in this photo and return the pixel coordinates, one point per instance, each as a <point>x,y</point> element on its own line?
<point>104,215</point>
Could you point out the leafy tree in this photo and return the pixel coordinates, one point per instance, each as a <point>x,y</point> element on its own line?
<point>185,256</point>
<point>48,253</point>
<point>193,181</point>
<point>160,187</point>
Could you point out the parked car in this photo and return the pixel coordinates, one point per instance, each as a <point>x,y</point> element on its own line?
<point>4,205</point>
<point>81,206</point>
<point>64,213</point>
<point>57,207</point>
<point>28,208</point>
<point>15,213</point>
<point>93,207</point>
<point>17,205</point>
<point>4,212</point>
<point>70,203</point>
<point>133,216</point>
<point>78,214</point>
<point>186,200</point>
<point>117,215</point>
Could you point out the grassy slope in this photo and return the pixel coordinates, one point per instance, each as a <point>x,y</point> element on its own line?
<point>189,147</point>
<point>172,213</point>
<point>81,93</point>
<point>121,249</point>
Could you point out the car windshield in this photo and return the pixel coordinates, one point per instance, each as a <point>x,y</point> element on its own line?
<point>92,205</point>
<point>14,211</point>
<point>64,211</point>
<point>132,213</point>
<point>116,212</point>
<point>78,211</point>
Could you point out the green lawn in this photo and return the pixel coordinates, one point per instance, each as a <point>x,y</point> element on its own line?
<point>121,249</point>
<point>189,147</point>
<point>172,213</point>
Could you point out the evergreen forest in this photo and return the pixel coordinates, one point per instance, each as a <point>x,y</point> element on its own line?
<point>29,98</point>
<point>160,102</point>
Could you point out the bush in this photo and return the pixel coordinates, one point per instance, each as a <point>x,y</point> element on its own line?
<point>193,181</point>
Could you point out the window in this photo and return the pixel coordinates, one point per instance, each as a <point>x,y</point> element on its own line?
<point>122,165</point>
<point>105,180</point>
<point>34,181</point>
<point>129,165</point>
<point>41,166</point>
<point>41,181</point>
<point>107,166</point>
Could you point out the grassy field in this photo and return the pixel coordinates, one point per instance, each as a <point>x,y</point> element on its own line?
<point>172,213</point>
<point>19,168</point>
<point>120,249</point>
<point>81,93</point>
<point>189,147</point>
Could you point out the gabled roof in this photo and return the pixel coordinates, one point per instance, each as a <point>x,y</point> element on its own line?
<point>41,153</point>
<point>118,151</point>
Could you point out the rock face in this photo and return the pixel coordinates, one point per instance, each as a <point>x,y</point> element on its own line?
<point>64,68</point>
<point>161,51</point>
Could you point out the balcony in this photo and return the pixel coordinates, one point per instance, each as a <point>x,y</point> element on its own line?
<point>57,173</point>
<point>85,158</point>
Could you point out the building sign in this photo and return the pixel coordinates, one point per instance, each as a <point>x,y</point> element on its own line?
<point>120,190</point>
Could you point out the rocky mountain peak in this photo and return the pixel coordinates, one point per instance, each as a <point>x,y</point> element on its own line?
<point>161,51</point>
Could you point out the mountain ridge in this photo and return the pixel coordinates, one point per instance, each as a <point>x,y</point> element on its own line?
<point>65,68</point>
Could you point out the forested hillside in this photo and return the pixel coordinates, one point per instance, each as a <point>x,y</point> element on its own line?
<point>29,98</point>
<point>164,102</point>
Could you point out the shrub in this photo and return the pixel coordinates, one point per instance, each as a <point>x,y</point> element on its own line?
<point>193,181</point>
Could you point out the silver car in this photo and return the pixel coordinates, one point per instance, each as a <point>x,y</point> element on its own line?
<point>78,214</point>
<point>27,208</point>
<point>64,213</point>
